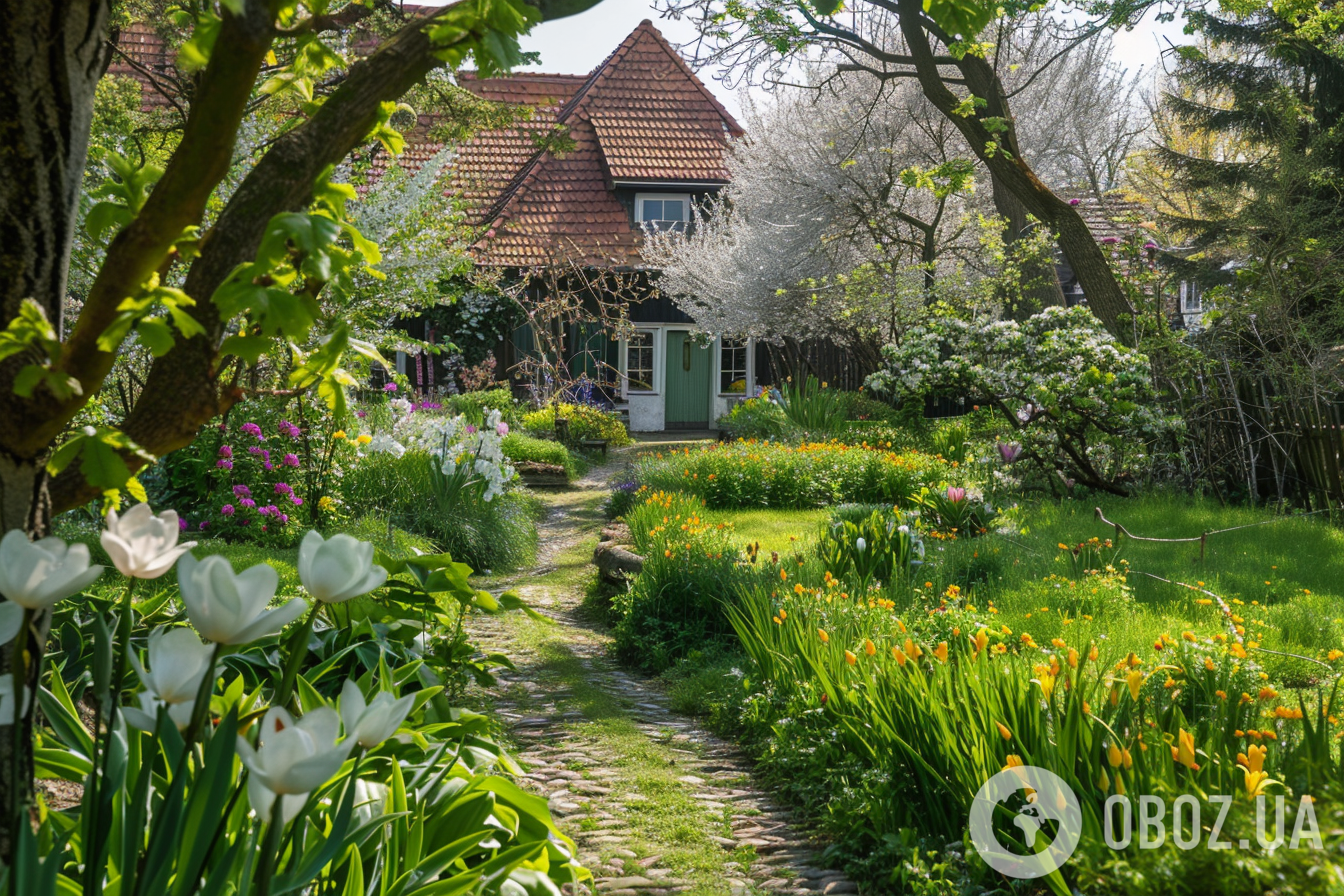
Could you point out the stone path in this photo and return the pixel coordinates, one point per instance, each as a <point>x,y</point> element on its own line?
<point>656,804</point>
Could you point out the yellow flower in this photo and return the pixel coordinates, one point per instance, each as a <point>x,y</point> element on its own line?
<point>1103,781</point>
<point>1334,655</point>
<point>1188,635</point>
<point>364,439</point>
<point>825,638</point>
<point>1128,759</point>
<point>912,649</point>
<point>338,434</point>
<point>1092,654</point>
<point>1114,756</point>
<point>1184,751</point>
<point>326,502</point>
<point>869,647</point>
<point>981,639</point>
<point>941,651</point>
<point>850,658</point>
<point>1135,680</point>
<point>1003,731</point>
<point>1073,658</point>
<point>898,655</point>
<point>1267,694</point>
<point>1047,683</point>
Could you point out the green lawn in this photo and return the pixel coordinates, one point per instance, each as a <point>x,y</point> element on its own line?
<point>776,530</point>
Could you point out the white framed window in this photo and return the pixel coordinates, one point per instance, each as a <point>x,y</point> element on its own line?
<point>733,366</point>
<point>663,211</point>
<point>1192,298</point>
<point>639,366</point>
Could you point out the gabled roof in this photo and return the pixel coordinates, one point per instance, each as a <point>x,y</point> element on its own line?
<point>641,117</point>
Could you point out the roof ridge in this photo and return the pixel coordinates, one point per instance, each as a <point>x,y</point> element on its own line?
<point>728,119</point>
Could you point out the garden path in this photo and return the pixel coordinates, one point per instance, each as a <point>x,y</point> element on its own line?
<point>656,804</point>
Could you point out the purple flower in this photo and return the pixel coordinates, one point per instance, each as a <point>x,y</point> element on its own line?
<point>471,430</point>
<point>298,502</point>
<point>283,519</point>
<point>1075,201</point>
<point>361,414</point>
<point>284,488</point>
<point>252,430</point>
<point>502,429</point>
<point>227,510</point>
<point>225,451</point>
<point>268,466</point>
<point>181,525</point>
<point>224,463</point>
<point>1109,240</point>
<point>956,495</point>
<point>290,460</point>
<point>248,503</point>
<point>203,524</point>
<point>1009,451</point>
<point>390,387</point>
<point>289,429</point>
<point>242,491</point>
<point>254,450</point>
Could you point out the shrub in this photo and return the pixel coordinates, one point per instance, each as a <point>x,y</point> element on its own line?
<point>521,448</point>
<point>585,422</point>
<point>498,534</point>
<point>812,407</point>
<point>751,474</point>
<point>758,418</point>
<point>675,605</point>
<point>477,405</point>
<point>863,406</point>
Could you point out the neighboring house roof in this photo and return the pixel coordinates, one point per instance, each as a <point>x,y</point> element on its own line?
<point>640,118</point>
<point>143,55</point>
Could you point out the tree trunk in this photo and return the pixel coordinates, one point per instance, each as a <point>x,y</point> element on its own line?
<point>1044,288</point>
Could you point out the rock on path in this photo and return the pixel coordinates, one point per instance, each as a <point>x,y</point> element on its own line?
<point>566,708</point>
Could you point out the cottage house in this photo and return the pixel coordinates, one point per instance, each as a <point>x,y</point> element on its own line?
<point>646,142</point>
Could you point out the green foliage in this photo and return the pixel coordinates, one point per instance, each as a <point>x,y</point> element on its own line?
<point>757,418</point>
<point>812,406</point>
<point>585,422</point>
<point>496,535</point>
<point>478,405</point>
<point>879,546</point>
<point>521,448</point>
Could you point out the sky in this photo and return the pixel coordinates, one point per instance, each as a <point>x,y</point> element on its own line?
<point>577,44</point>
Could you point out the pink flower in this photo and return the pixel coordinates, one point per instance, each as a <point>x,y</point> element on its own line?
<point>502,429</point>
<point>361,414</point>
<point>181,525</point>
<point>289,429</point>
<point>203,524</point>
<point>254,450</point>
<point>248,503</point>
<point>227,510</point>
<point>224,463</point>
<point>225,451</point>
<point>956,495</point>
<point>284,488</point>
<point>1009,451</point>
<point>390,387</point>
<point>1075,201</point>
<point>242,491</point>
<point>268,466</point>
<point>283,519</point>
<point>298,502</point>
<point>252,430</point>
<point>290,460</point>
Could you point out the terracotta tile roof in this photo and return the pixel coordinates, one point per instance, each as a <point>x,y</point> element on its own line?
<point>640,116</point>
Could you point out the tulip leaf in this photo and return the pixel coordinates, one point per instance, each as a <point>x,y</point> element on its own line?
<point>61,715</point>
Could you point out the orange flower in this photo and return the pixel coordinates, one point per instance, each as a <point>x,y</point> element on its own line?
<point>1003,731</point>
<point>825,638</point>
<point>941,651</point>
<point>869,647</point>
<point>850,658</point>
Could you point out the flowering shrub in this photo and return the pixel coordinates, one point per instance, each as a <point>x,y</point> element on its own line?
<point>757,418</point>
<point>1081,405</point>
<point>818,474</point>
<point>585,422</point>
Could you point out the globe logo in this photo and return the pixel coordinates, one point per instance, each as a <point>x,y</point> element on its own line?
<point>1041,806</point>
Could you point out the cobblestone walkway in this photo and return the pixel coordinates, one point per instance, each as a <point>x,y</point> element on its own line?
<point>656,804</point>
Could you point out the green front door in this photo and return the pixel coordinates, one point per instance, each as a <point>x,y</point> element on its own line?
<point>688,370</point>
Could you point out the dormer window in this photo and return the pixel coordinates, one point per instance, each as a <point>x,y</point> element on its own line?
<point>663,211</point>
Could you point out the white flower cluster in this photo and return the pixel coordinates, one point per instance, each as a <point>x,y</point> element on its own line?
<point>473,452</point>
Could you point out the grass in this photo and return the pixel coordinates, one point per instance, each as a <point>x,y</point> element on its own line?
<point>776,530</point>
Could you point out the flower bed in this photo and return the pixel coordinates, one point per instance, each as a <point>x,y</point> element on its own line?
<point>817,474</point>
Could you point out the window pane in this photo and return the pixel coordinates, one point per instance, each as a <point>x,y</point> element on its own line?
<point>733,366</point>
<point>653,210</point>
<point>674,210</point>
<point>639,362</point>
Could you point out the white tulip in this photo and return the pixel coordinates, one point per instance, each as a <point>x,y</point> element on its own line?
<point>37,574</point>
<point>142,545</point>
<point>11,620</point>
<point>228,607</point>
<point>292,758</point>
<point>7,699</point>
<point>369,724</point>
<point>146,716</point>
<point>339,568</point>
<point>178,662</point>
<point>860,545</point>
